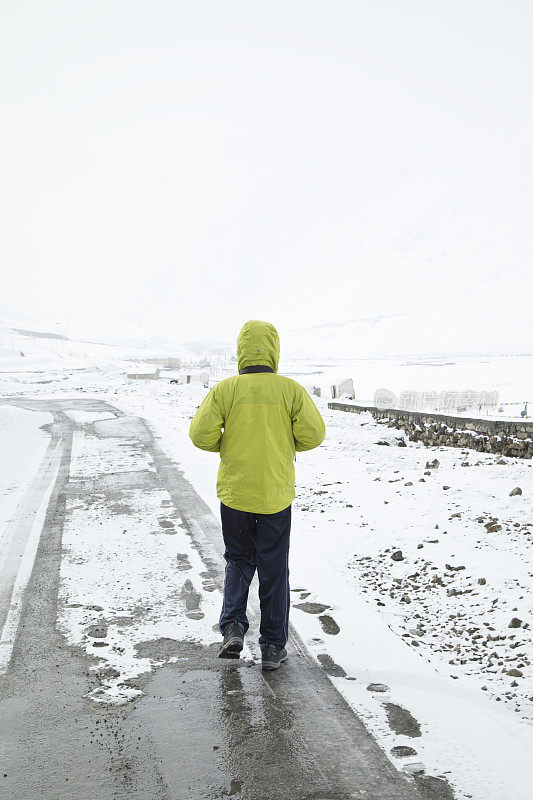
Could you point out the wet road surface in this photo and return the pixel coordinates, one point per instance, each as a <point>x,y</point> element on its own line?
<point>204,728</point>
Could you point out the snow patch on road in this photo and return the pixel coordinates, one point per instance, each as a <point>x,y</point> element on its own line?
<point>22,447</point>
<point>129,574</point>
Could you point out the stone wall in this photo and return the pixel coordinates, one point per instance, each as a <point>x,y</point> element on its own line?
<point>504,437</point>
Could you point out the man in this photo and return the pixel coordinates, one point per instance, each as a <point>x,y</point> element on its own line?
<point>257,420</point>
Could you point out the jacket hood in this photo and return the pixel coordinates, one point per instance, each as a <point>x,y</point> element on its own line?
<point>258,343</point>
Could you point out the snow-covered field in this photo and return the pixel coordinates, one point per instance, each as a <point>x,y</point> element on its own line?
<point>420,644</point>
<point>433,637</point>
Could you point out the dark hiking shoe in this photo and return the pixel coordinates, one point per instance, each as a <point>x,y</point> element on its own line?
<point>272,656</point>
<point>233,641</point>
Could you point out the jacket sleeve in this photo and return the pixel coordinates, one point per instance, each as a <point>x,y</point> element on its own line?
<point>206,426</point>
<point>308,427</point>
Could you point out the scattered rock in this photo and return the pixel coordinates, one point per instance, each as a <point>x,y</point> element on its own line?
<point>433,464</point>
<point>492,527</point>
<point>515,623</point>
<point>405,598</point>
<point>378,687</point>
<point>515,491</point>
<point>446,487</point>
<point>482,581</point>
<point>397,555</point>
<point>515,673</point>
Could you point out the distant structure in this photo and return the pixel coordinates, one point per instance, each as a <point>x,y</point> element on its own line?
<point>144,376</point>
<point>169,362</point>
<point>192,377</point>
<point>345,387</point>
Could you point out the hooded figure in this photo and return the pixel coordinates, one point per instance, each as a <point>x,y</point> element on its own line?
<point>257,420</point>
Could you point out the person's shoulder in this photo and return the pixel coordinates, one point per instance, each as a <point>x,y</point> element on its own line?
<point>225,383</point>
<point>291,385</point>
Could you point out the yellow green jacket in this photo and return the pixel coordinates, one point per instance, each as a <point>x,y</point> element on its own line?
<point>257,420</point>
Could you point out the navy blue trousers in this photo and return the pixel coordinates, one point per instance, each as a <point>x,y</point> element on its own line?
<point>257,541</point>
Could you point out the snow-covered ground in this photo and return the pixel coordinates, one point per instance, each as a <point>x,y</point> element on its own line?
<point>435,637</point>
<point>27,475</point>
<point>22,446</point>
<point>419,644</point>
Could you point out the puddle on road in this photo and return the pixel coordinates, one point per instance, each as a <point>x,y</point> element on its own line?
<point>159,649</point>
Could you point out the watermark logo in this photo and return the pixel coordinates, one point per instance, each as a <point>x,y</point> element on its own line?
<point>384,398</point>
<point>410,400</point>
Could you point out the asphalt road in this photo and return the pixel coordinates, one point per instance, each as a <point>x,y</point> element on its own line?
<point>204,728</point>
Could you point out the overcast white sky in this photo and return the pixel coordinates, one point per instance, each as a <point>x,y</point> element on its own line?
<point>187,166</point>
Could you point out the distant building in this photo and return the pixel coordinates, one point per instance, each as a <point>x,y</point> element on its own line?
<point>144,376</point>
